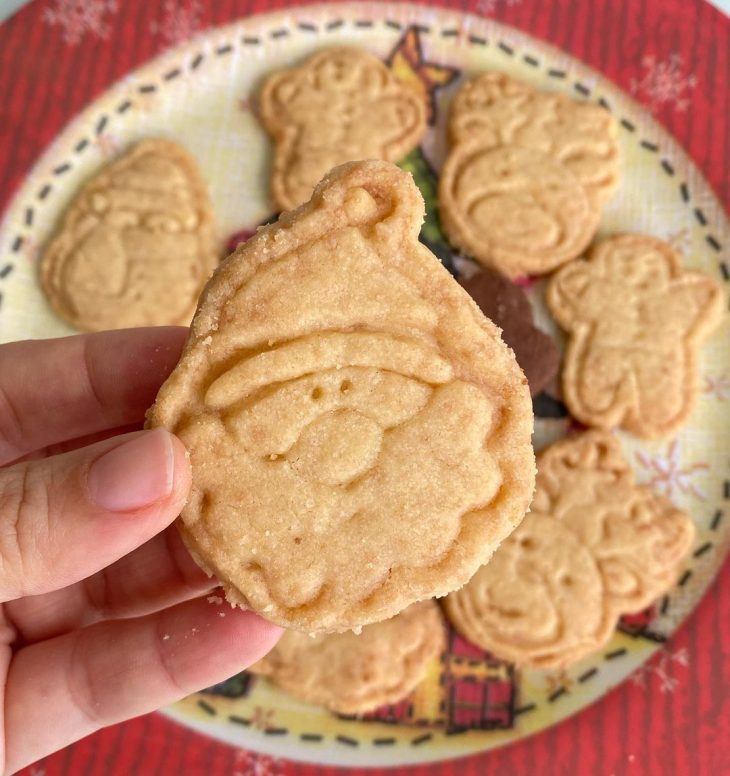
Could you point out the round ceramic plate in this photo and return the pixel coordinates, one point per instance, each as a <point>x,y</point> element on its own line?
<point>200,94</point>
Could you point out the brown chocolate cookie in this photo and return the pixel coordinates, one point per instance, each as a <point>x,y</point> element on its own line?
<point>508,306</point>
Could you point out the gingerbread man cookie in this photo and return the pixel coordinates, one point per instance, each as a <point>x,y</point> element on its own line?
<point>341,105</point>
<point>635,321</point>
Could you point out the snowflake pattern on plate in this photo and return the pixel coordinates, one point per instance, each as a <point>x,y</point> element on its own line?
<point>76,18</point>
<point>717,386</point>
<point>668,473</point>
<point>109,145</point>
<point>253,764</point>
<point>664,83</point>
<point>680,240</point>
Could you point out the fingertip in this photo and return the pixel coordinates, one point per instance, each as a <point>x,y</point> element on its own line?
<point>139,471</point>
<point>259,634</point>
<point>206,641</point>
<point>182,470</point>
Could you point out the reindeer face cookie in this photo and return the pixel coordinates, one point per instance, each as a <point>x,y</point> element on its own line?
<point>514,209</point>
<point>635,320</point>
<point>526,176</point>
<point>594,546</point>
<point>499,111</point>
<point>353,674</point>
<point>341,105</point>
<point>136,245</point>
<point>359,433</point>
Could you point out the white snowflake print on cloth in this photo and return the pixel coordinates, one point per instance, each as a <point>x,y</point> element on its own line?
<point>664,83</point>
<point>253,764</point>
<point>668,474</point>
<point>76,18</point>
<point>490,6</point>
<point>717,386</point>
<point>180,21</point>
<point>661,667</point>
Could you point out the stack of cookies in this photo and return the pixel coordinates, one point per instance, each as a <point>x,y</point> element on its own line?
<point>359,426</point>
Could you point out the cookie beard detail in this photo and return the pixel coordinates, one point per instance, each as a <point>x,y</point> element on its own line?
<point>334,439</point>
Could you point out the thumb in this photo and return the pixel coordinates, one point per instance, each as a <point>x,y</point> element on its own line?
<point>66,517</point>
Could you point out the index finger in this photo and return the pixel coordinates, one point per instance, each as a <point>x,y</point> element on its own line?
<point>62,689</point>
<point>59,389</point>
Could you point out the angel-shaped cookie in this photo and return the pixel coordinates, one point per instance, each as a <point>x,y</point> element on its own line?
<point>136,245</point>
<point>636,321</point>
<point>594,546</point>
<point>527,174</point>
<point>341,105</point>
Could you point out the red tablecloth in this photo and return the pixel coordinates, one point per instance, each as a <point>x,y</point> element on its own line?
<point>674,55</point>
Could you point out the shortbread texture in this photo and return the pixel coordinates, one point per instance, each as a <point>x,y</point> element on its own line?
<point>136,245</point>
<point>359,433</point>
<point>355,673</point>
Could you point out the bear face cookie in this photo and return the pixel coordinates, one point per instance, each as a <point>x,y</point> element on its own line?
<point>341,105</point>
<point>594,546</point>
<point>136,245</point>
<point>359,433</point>
<point>635,321</point>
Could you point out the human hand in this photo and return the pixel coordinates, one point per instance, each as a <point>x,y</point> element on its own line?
<point>103,614</point>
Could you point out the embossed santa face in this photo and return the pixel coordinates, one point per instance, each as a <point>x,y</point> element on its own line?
<point>136,245</point>
<point>359,434</point>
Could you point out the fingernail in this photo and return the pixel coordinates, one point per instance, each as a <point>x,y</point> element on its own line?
<point>135,474</point>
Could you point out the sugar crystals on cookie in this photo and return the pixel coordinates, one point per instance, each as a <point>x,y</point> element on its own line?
<point>359,433</point>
